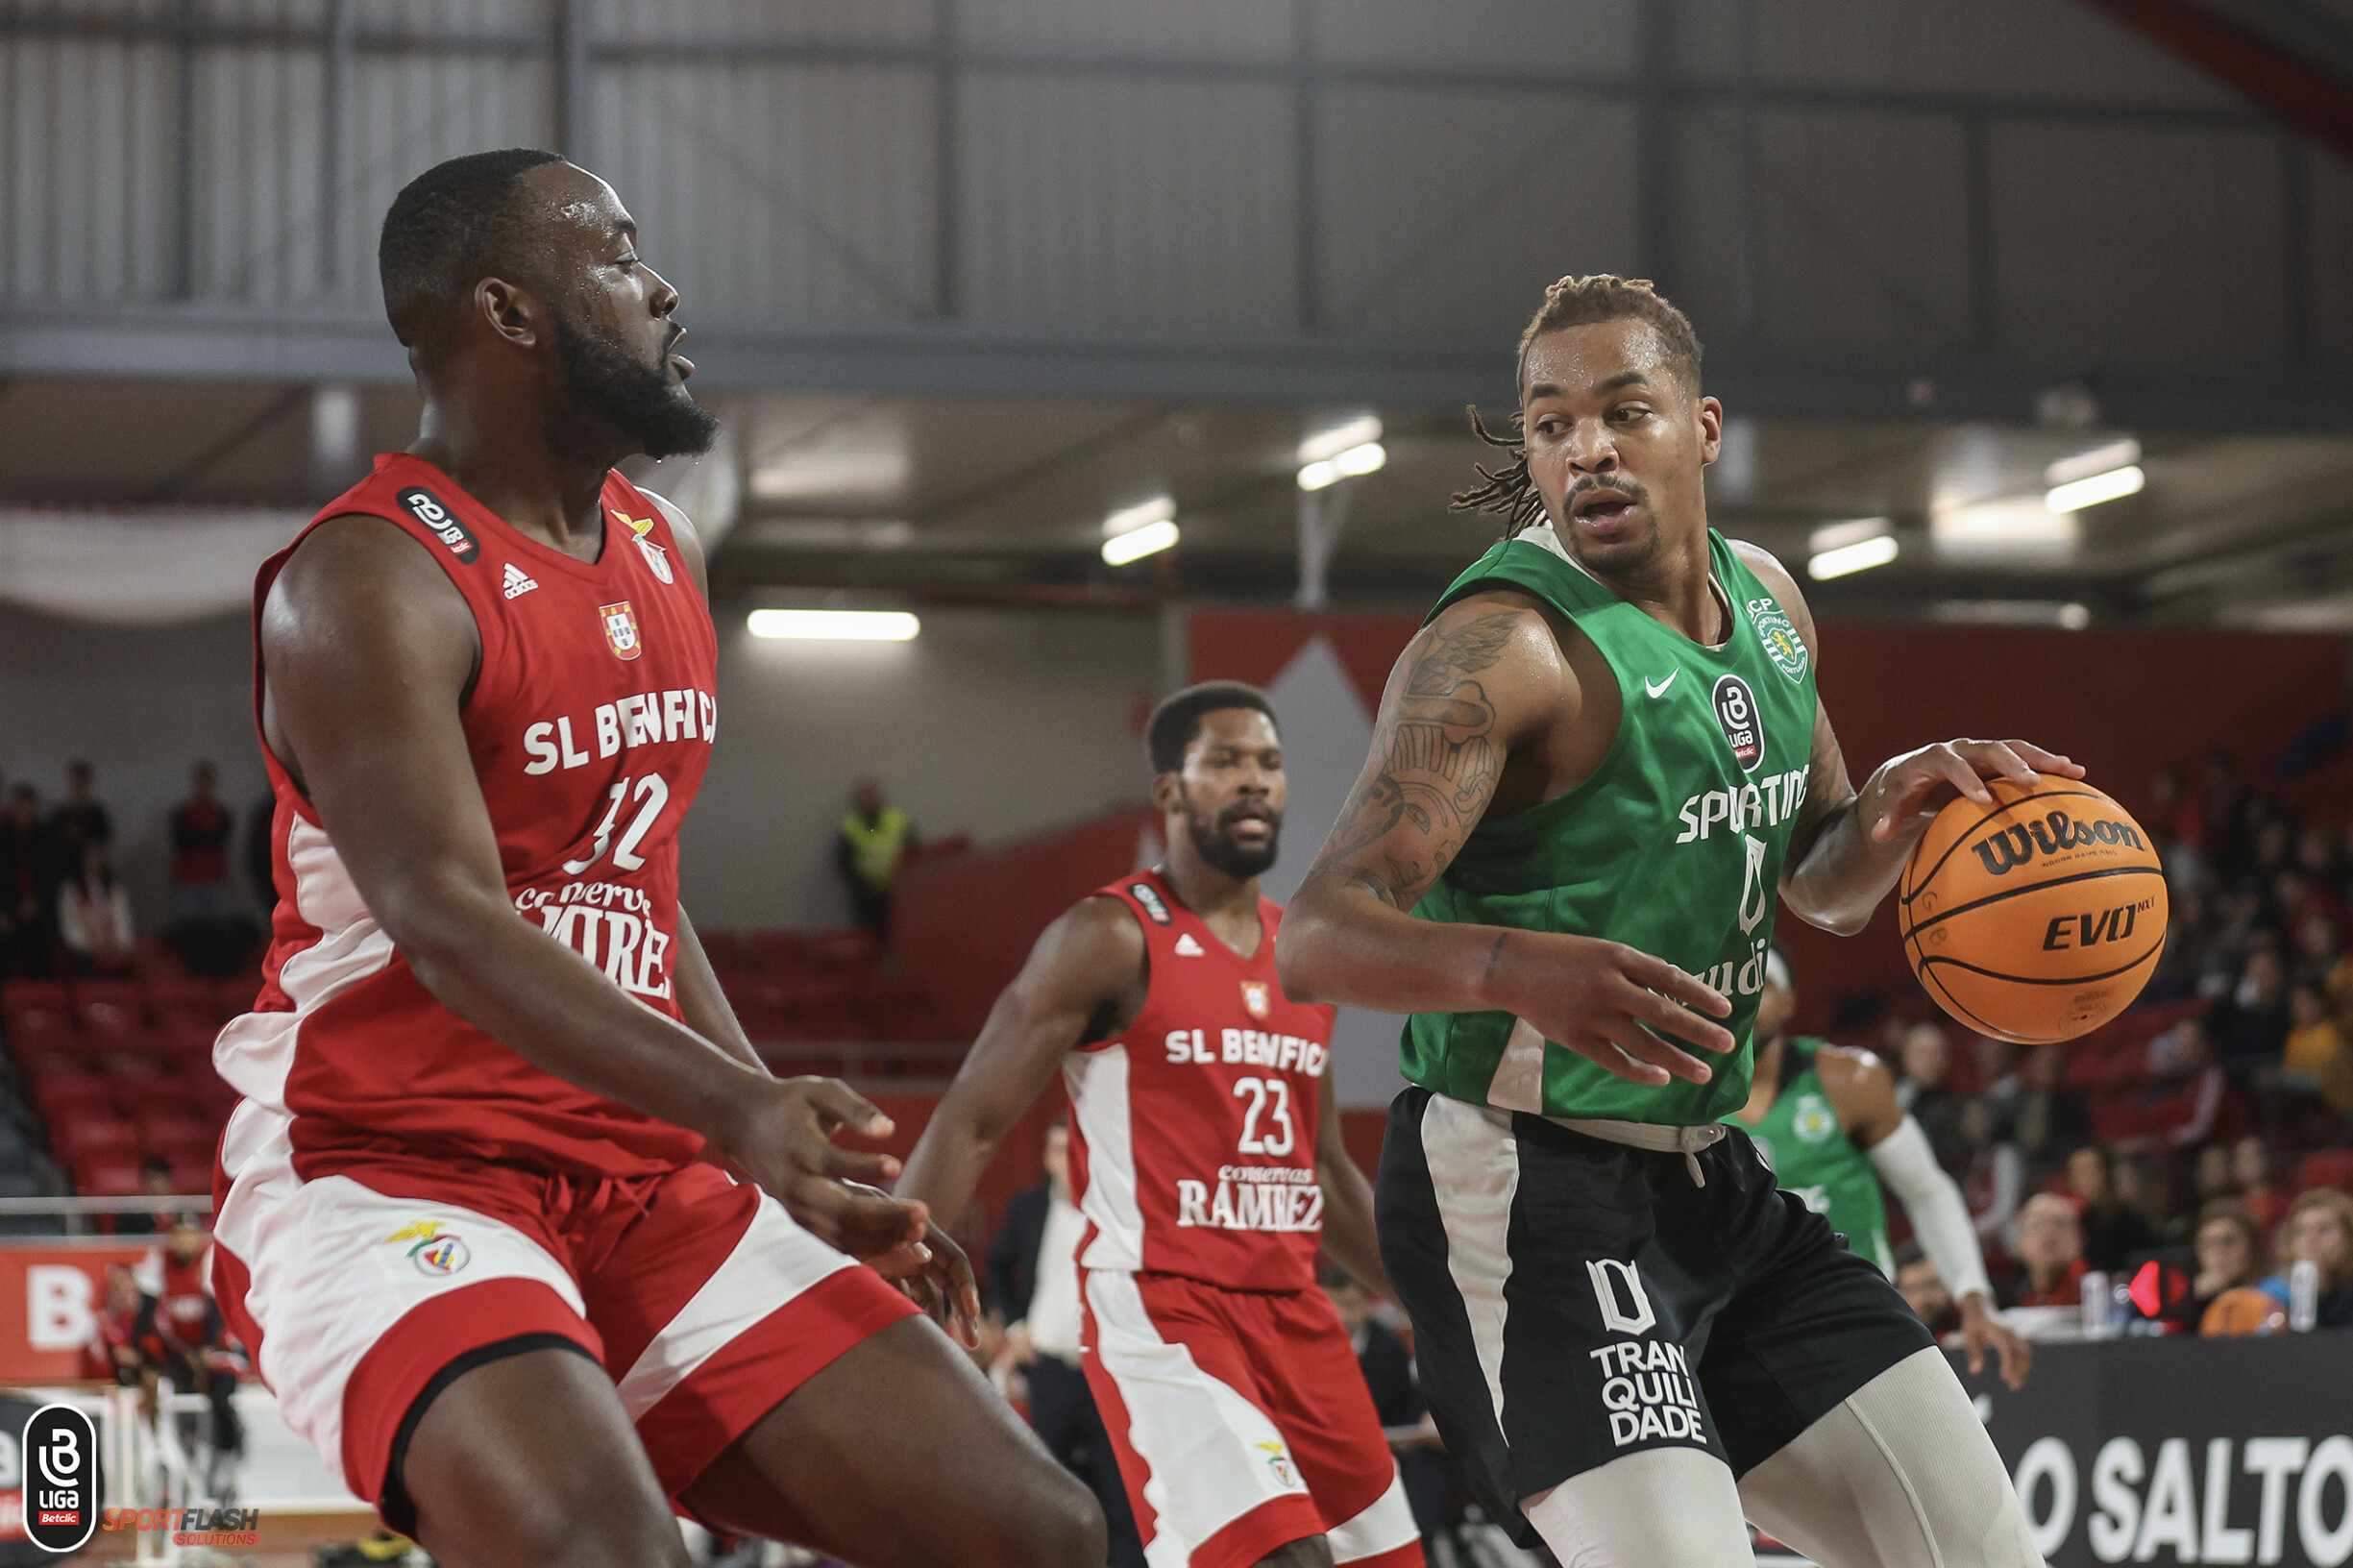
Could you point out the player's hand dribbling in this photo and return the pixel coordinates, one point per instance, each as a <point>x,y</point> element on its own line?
<point>1603,999</point>
<point>1903,796</point>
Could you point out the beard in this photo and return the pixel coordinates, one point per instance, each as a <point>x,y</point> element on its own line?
<point>1216,848</point>
<point>604,384</point>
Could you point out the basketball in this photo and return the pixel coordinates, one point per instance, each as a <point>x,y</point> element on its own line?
<point>2038,918</point>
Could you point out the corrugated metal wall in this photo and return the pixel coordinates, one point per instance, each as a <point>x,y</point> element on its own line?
<point>2012,177</point>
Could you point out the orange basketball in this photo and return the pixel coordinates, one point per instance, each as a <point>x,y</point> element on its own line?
<point>2038,918</point>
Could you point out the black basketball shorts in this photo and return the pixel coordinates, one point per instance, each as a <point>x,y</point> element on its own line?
<point>1575,1300</point>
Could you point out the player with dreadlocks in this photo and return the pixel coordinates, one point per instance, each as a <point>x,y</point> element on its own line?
<point>1594,767</point>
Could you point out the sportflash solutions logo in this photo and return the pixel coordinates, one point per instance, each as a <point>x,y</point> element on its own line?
<point>189,1526</point>
<point>61,1465</point>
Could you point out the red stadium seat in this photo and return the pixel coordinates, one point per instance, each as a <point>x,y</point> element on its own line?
<point>157,1093</point>
<point>107,1178</point>
<point>36,1012</point>
<point>130,1064</point>
<point>192,1176</point>
<point>183,1004</point>
<point>234,995</point>
<point>844,949</point>
<point>90,1137</point>
<point>2330,1167</point>
<point>69,1097</point>
<point>175,1136</point>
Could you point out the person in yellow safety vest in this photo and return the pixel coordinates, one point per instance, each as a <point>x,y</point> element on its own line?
<point>875,836</point>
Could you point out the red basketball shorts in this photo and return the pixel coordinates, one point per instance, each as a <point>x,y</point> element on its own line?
<point>1241,1423</point>
<point>353,1292</point>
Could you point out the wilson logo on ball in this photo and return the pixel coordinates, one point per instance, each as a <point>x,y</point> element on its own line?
<point>2053,833</point>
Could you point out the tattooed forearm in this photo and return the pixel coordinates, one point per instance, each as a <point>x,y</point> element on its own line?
<point>1437,763</point>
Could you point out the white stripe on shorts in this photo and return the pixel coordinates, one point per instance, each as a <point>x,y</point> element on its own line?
<point>1474,1161</point>
<point>1385,1524</point>
<point>1187,1425</point>
<point>773,1262</point>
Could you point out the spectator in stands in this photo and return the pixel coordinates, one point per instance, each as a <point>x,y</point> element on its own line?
<point>1928,1063</point>
<point>2186,1088</point>
<point>2230,1254</point>
<point>2051,1246</point>
<point>123,1347</point>
<point>1428,1475</point>
<point>199,829</point>
<point>28,878</point>
<point>1924,1291</point>
<point>2210,1177</point>
<point>94,917</point>
<point>875,836</point>
<point>2051,1118</point>
<point>2319,1231</point>
<point>1034,1285</point>
<point>199,1355</point>
<point>2251,1025</point>
<point>2111,1231</point>
<point>2251,1163</point>
<point>2316,1063</point>
<point>80,820</point>
<point>1994,1180</point>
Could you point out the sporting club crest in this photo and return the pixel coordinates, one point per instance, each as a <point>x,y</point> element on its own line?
<point>1254,997</point>
<point>1782,644</point>
<point>621,629</point>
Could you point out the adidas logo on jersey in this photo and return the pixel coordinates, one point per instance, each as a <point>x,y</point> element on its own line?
<point>517,583</point>
<point>1186,947</point>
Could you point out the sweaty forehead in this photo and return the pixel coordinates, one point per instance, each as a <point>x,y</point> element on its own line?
<point>1577,359</point>
<point>1236,726</point>
<point>577,207</point>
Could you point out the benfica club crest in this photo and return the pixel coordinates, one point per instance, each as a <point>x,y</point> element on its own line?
<point>1254,997</point>
<point>655,556</point>
<point>621,629</point>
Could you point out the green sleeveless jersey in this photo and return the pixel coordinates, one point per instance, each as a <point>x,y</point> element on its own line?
<point>1812,1157</point>
<point>1674,846</point>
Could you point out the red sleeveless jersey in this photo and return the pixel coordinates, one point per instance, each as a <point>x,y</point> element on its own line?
<point>1192,1133</point>
<point>590,724</point>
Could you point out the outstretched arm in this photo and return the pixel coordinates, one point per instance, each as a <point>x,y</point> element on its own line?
<point>1483,678</point>
<point>1083,982</point>
<point>1849,845</point>
<point>1862,1093</point>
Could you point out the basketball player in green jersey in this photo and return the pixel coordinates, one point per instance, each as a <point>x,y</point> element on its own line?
<point>1593,770</point>
<point>1825,1119</point>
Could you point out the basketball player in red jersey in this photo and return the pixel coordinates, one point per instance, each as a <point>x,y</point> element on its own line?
<point>1206,1155</point>
<point>465,1224</point>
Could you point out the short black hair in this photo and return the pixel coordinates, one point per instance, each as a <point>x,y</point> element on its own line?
<point>1178,718</point>
<point>450,226</point>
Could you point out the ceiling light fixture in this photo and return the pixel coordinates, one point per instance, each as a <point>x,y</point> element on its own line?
<point>1345,451</point>
<point>836,625</point>
<point>2091,491</point>
<point>1844,560</point>
<point>1136,543</point>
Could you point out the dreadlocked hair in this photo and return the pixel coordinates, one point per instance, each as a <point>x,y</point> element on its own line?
<point>1507,490</point>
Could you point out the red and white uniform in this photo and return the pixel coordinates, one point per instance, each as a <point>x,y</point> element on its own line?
<point>1226,1381</point>
<point>397,1192</point>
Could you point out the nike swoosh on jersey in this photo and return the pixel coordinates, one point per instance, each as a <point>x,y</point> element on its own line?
<point>1660,689</point>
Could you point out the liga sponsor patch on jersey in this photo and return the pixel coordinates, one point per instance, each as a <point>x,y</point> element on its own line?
<point>434,513</point>
<point>621,629</point>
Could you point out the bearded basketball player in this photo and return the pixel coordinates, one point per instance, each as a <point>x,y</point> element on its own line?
<point>1824,1117</point>
<point>1206,1155</point>
<point>466,1221</point>
<point>1593,767</point>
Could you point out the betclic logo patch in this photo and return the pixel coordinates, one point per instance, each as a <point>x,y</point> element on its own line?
<point>61,1474</point>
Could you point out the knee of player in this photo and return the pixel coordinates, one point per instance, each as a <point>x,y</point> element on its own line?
<point>1061,1526</point>
<point>582,1531</point>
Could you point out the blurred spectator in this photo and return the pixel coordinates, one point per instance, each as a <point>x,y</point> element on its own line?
<point>2212,1176</point>
<point>1927,1064</point>
<point>28,878</point>
<point>80,820</point>
<point>2144,1187</point>
<point>123,1346</point>
<point>2315,1071</point>
<point>1924,1291</point>
<point>1033,1283</point>
<point>94,917</point>
<point>2051,1246</point>
<point>199,829</point>
<point>2319,1231</point>
<point>2110,1233</point>
<point>1994,1181</point>
<point>2251,1163</point>
<point>1428,1475</point>
<point>199,1355</point>
<point>2185,1095</point>
<point>2051,1120</point>
<point>2230,1255</point>
<point>2251,1024</point>
<point>875,836</point>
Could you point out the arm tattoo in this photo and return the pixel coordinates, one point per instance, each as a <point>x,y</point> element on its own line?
<point>1439,763</point>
